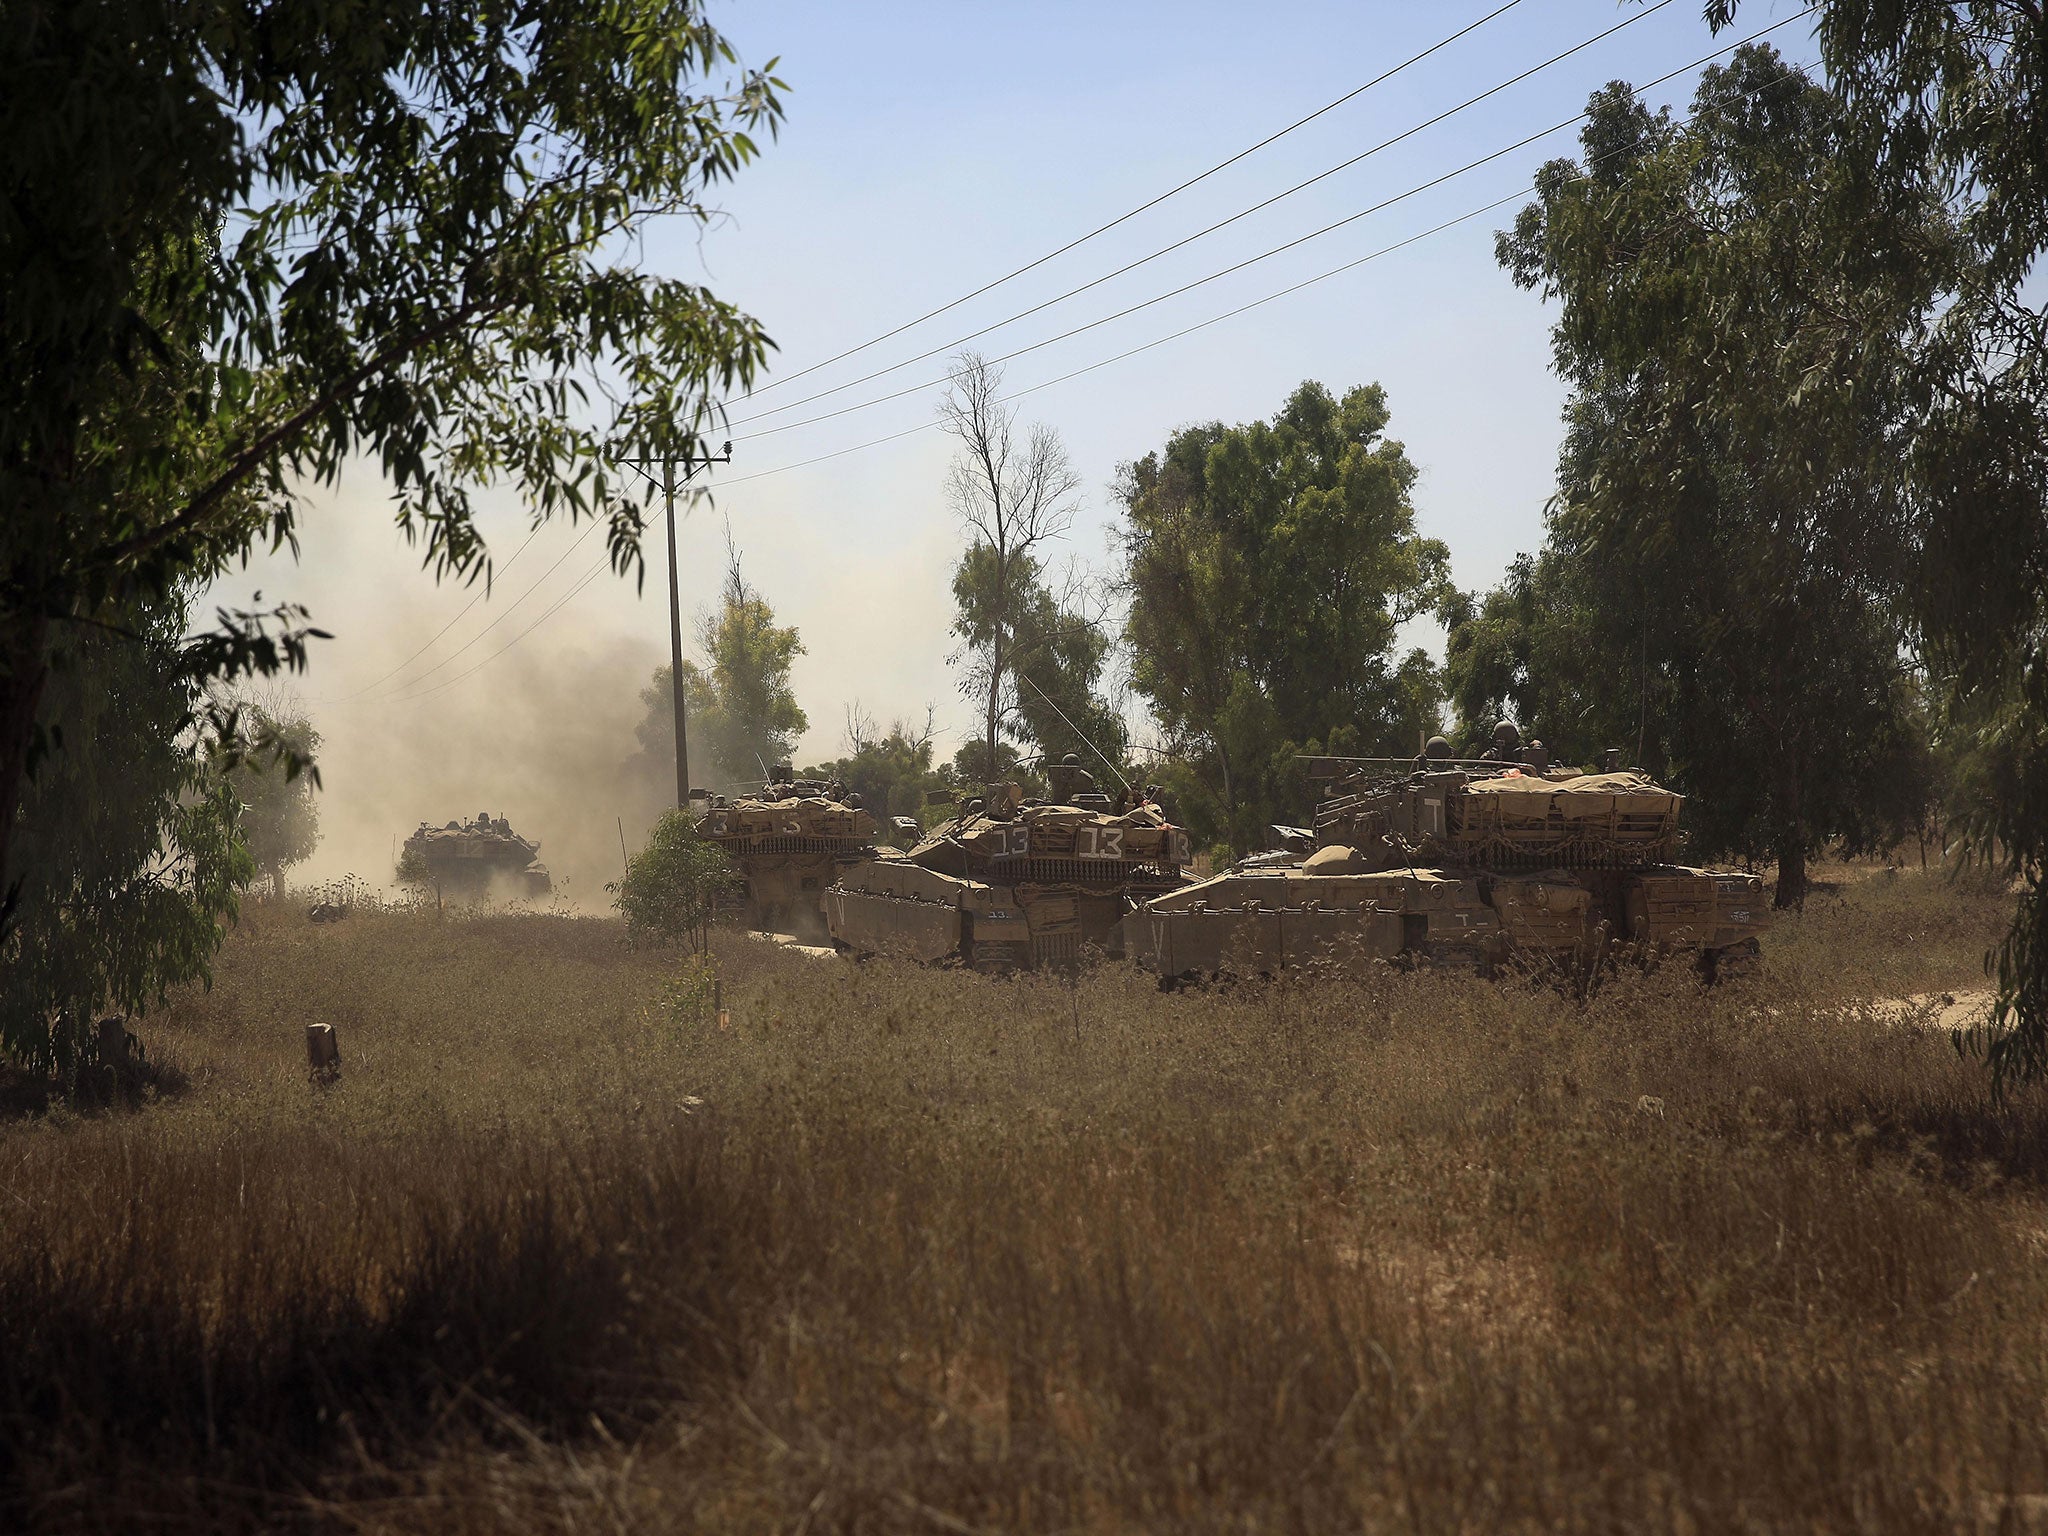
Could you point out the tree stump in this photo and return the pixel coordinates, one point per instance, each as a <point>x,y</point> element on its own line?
<point>323,1054</point>
<point>115,1042</point>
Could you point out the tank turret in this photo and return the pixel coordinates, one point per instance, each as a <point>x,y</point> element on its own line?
<point>1466,861</point>
<point>1012,883</point>
<point>790,839</point>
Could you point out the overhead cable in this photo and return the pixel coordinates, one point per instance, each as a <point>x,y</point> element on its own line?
<point>1122,218</point>
<point>576,587</point>
<point>1436,229</point>
<point>1243,213</point>
<point>482,593</point>
<point>594,522</point>
<point>1254,260</point>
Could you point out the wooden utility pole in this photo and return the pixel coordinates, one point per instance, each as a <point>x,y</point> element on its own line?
<point>669,482</point>
<point>675,643</point>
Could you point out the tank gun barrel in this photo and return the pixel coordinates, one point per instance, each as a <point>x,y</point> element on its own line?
<point>1321,766</point>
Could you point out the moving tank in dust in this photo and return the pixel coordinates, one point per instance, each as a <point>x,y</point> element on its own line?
<point>789,840</point>
<point>1011,883</point>
<point>477,860</point>
<point>1465,862</point>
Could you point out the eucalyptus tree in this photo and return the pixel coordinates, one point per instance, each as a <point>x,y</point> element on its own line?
<point>743,709</point>
<point>249,242</point>
<point>1729,498</point>
<point>1055,649</point>
<point>1014,493</point>
<point>280,819</point>
<point>1950,102</point>
<point>130,844</point>
<point>1269,566</point>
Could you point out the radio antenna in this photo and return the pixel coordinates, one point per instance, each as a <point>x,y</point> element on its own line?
<point>1112,767</point>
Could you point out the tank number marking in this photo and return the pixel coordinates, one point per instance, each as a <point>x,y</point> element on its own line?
<point>1183,848</point>
<point>1099,842</point>
<point>1017,838</point>
<point>717,826</point>
<point>791,827</point>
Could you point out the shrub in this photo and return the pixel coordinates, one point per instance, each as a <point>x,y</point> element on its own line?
<point>672,889</point>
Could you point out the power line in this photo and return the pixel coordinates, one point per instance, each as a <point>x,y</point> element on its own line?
<point>1249,261</point>
<point>1320,277</point>
<point>928,426</point>
<point>581,582</point>
<point>489,579</point>
<point>1293,288</point>
<point>1173,292</point>
<point>595,522</point>
<point>1143,207</point>
<point>1243,213</point>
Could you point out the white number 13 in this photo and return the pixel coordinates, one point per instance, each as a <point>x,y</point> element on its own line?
<point>1099,842</point>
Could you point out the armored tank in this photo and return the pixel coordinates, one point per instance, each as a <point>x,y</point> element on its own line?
<point>1011,884</point>
<point>1463,862</point>
<point>477,860</point>
<point>790,839</point>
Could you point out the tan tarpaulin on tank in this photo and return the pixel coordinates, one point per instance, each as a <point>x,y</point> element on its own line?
<point>1590,794</point>
<point>1334,860</point>
<point>808,816</point>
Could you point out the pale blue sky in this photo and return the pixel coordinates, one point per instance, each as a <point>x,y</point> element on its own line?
<point>933,146</point>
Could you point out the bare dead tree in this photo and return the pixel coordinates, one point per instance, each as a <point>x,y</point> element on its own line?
<point>1011,496</point>
<point>861,731</point>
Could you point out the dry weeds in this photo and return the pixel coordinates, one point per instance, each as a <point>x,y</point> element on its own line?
<point>923,1251</point>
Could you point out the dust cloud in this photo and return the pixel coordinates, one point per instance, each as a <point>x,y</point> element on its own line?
<point>543,738</point>
<point>542,731</point>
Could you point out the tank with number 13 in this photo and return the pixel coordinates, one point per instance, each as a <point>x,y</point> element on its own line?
<point>1012,884</point>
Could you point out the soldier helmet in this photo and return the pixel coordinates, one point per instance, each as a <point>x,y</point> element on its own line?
<point>1436,748</point>
<point>1507,734</point>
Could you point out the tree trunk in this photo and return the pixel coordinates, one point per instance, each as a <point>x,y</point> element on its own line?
<point>995,682</point>
<point>24,666</point>
<point>1789,834</point>
<point>1791,872</point>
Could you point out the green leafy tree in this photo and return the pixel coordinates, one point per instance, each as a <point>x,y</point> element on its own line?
<point>249,241</point>
<point>280,819</point>
<point>1950,103</point>
<point>743,715</point>
<point>674,885</point>
<point>1725,538</point>
<point>1056,657</point>
<point>973,766</point>
<point>1269,566</point>
<point>129,846</point>
<point>1527,652</point>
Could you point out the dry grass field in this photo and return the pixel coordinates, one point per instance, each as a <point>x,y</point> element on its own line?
<point>921,1251</point>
